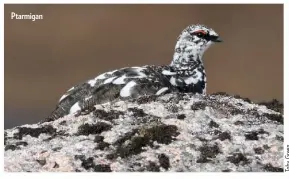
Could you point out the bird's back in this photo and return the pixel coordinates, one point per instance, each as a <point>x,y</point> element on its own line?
<point>124,83</point>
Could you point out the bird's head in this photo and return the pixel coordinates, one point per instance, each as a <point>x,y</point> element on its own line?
<point>194,41</point>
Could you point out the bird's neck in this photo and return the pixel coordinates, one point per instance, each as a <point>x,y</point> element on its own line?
<point>186,59</point>
<point>187,71</point>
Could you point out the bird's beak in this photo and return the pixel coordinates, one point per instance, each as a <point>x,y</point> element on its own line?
<point>217,39</point>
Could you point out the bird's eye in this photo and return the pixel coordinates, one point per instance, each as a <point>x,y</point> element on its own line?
<point>200,34</point>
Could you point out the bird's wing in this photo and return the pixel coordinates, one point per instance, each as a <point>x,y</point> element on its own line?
<point>122,83</point>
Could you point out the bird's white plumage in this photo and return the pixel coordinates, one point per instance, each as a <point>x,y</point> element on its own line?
<point>92,82</point>
<point>167,72</point>
<point>138,70</point>
<point>162,90</point>
<point>173,81</point>
<point>99,77</point>
<point>111,72</point>
<point>109,80</point>
<point>140,73</point>
<point>75,108</point>
<point>71,89</point>
<point>87,98</point>
<point>194,78</point>
<point>120,80</point>
<point>63,97</point>
<point>191,80</point>
<point>126,90</point>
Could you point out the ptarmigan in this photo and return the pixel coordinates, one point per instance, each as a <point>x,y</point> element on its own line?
<point>185,74</point>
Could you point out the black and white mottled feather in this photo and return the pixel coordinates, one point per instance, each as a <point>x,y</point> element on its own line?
<point>185,74</point>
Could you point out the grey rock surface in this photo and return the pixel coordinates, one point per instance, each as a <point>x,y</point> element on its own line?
<point>174,132</point>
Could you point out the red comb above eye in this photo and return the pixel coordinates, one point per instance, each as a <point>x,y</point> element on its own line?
<point>201,31</point>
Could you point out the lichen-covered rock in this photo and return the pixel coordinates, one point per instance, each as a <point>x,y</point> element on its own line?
<point>174,132</point>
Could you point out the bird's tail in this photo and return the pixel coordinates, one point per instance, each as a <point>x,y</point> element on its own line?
<point>57,113</point>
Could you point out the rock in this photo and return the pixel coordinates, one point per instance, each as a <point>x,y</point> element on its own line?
<point>174,132</point>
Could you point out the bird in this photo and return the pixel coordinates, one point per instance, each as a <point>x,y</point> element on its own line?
<point>185,74</point>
